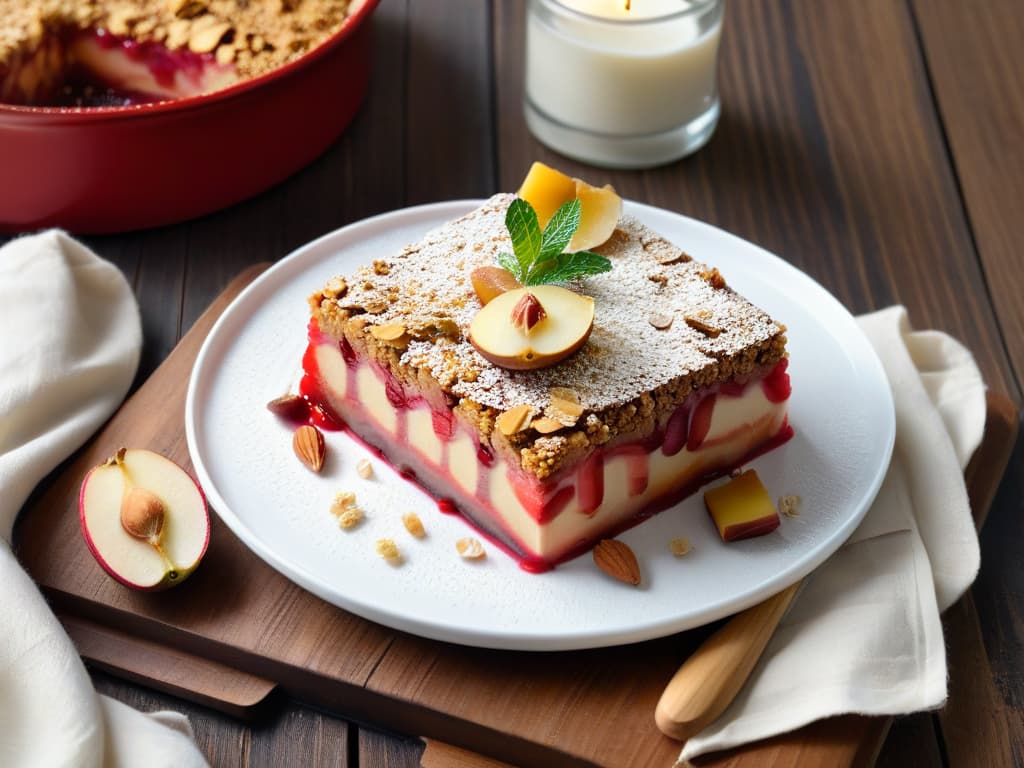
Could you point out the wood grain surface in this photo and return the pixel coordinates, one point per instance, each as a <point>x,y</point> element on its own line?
<point>875,145</point>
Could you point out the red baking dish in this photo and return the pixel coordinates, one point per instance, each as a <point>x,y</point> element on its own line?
<point>111,169</point>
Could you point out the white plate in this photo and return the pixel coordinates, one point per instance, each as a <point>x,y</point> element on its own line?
<point>841,410</point>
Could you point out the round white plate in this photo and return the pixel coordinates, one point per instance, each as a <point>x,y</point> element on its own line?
<point>841,410</point>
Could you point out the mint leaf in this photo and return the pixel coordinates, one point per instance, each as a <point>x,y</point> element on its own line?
<point>508,261</point>
<point>567,266</point>
<point>537,256</point>
<point>522,224</point>
<point>560,229</point>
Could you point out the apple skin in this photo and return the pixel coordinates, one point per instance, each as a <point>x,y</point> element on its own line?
<point>166,582</point>
<point>565,328</point>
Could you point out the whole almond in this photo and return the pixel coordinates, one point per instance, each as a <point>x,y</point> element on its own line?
<point>527,313</point>
<point>617,560</point>
<point>294,407</point>
<point>309,446</point>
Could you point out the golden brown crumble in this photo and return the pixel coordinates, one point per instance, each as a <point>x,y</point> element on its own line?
<point>628,378</point>
<point>253,36</point>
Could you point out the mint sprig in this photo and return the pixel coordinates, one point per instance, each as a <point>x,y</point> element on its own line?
<point>538,257</point>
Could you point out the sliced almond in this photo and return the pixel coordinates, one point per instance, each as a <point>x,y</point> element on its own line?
<point>387,332</point>
<point>515,419</point>
<point>470,548</point>
<point>308,443</point>
<point>660,320</point>
<point>208,38</point>
<point>566,402</point>
<point>660,279</point>
<point>546,425</point>
<point>699,325</point>
<point>364,469</point>
<point>186,9</point>
<point>617,560</point>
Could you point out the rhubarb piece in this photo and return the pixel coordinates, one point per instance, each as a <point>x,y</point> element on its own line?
<point>742,508</point>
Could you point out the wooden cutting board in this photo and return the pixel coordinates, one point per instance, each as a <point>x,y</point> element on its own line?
<point>237,633</point>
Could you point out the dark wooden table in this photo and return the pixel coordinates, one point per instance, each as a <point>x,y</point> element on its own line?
<point>877,145</point>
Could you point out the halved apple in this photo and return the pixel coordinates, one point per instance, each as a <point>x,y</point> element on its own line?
<point>499,335</point>
<point>144,519</point>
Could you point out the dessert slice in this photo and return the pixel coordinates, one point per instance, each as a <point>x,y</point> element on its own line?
<point>115,52</point>
<point>679,381</point>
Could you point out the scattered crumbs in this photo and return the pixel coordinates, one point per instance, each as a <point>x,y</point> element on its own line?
<point>344,508</point>
<point>470,548</point>
<point>350,517</point>
<point>789,505</point>
<point>364,469</point>
<point>679,547</point>
<point>342,500</point>
<point>387,549</point>
<point>413,524</point>
<point>736,472</point>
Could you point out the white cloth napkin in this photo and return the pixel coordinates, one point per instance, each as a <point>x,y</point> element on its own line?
<point>863,635</point>
<point>70,337</point>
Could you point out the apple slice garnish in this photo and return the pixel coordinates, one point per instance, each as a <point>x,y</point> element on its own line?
<point>489,282</point>
<point>600,210</point>
<point>144,519</point>
<point>546,189</point>
<point>560,327</point>
<point>742,508</point>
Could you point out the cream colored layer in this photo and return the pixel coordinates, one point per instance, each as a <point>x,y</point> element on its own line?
<point>665,474</point>
<point>738,426</point>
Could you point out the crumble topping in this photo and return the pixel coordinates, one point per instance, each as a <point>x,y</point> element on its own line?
<point>255,36</point>
<point>628,374</point>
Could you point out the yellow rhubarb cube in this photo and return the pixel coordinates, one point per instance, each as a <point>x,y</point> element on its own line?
<point>742,508</point>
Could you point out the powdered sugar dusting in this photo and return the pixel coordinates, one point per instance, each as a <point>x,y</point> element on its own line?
<point>625,355</point>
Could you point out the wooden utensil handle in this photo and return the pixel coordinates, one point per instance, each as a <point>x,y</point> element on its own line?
<point>709,680</point>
